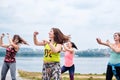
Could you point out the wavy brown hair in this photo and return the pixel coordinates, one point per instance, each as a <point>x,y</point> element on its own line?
<point>20,40</point>
<point>59,37</point>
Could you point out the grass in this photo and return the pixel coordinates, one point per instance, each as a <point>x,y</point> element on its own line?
<point>37,76</point>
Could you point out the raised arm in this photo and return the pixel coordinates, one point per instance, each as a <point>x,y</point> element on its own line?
<point>68,49</point>
<point>102,43</point>
<point>1,41</point>
<point>12,43</point>
<point>10,40</point>
<point>54,48</point>
<point>36,42</point>
<point>115,48</point>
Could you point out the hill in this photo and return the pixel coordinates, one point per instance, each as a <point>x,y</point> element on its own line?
<point>30,52</point>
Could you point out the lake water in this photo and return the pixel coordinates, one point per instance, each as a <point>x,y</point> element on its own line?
<point>82,65</point>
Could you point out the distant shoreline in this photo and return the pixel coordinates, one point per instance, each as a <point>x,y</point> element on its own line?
<point>30,52</point>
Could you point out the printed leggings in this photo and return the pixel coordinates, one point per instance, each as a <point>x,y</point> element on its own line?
<point>70,69</point>
<point>51,71</point>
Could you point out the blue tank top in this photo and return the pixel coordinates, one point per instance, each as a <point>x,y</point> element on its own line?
<point>114,58</point>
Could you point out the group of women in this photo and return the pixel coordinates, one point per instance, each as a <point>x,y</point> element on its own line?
<point>57,43</point>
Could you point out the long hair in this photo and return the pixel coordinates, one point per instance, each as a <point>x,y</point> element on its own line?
<point>73,45</point>
<point>59,37</point>
<point>20,40</point>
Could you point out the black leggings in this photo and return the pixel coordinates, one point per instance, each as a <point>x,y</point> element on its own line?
<point>109,73</point>
<point>70,69</point>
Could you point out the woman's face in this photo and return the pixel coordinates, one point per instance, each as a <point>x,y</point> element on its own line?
<point>69,44</point>
<point>116,37</point>
<point>16,40</point>
<point>51,34</point>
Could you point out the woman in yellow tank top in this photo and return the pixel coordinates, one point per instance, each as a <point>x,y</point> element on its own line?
<point>52,48</point>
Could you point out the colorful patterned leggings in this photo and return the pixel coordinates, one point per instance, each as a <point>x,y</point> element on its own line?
<point>51,71</point>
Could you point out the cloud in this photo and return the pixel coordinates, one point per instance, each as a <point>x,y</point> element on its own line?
<point>83,19</point>
<point>84,4</point>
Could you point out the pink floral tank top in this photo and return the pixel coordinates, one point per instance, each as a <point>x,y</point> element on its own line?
<point>68,59</point>
<point>10,55</point>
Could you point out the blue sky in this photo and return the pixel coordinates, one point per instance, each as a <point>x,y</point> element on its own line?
<point>83,19</point>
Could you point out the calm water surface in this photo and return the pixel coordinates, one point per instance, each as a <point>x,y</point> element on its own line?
<point>82,65</point>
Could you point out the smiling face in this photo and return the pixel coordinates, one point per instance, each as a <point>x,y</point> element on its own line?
<point>51,34</point>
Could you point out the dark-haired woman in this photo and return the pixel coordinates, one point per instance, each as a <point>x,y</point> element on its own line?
<point>68,59</point>
<point>11,50</point>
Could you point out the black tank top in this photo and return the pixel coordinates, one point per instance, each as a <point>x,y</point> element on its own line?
<point>10,55</point>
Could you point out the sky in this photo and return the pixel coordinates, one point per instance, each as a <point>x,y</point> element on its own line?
<point>84,20</point>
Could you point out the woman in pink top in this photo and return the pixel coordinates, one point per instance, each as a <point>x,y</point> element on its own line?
<point>69,54</point>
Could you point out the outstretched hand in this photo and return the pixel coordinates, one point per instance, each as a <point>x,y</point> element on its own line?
<point>108,42</point>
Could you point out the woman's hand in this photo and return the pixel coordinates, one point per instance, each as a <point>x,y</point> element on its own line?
<point>108,43</point>
<point>99,40</point>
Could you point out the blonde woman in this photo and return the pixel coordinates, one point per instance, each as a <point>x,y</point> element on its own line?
<point>113,67</point>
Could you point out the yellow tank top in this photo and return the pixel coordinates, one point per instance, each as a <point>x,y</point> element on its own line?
<point>50,56</point>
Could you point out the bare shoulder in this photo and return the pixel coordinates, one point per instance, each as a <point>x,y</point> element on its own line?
<point>119,45</point>
<point>116,45</point>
